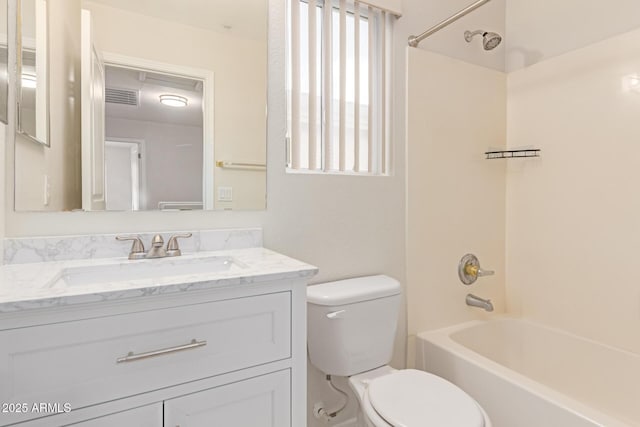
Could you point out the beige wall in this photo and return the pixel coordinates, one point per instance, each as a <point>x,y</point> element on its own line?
<point>455,197</point>
<point>572,217</point>
<point>61,161</point>
<point>240,96</point>
<point>542,29</point>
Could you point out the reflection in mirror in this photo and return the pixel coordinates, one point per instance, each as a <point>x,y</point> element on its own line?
<point>4,61</point>
<point>167,111</point>
<point>173,104</point>
<point>33,115</point>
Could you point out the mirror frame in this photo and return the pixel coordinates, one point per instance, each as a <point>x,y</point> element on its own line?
<point>5,118</point>
<point>18,82</point>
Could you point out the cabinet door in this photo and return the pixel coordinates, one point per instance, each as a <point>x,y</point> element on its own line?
<point>145,416</point>
<point>263,401</point>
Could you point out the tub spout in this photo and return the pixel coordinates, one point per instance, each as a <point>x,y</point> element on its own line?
<point>475,301</point>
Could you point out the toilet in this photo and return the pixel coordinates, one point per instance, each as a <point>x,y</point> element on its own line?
<point>351,330</point>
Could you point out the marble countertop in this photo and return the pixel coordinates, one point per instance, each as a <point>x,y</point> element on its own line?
<point>42,284</point>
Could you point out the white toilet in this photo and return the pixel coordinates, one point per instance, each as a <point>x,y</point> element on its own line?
<point>351,330</point>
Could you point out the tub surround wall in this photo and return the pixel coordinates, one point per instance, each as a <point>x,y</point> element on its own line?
<point>572,216</point>
<point>63,248</point>
<point>455,198</point>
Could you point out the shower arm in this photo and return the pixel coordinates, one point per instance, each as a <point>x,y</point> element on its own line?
<point>414,41</point>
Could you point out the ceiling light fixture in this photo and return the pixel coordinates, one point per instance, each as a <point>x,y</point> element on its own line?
<point>631,83</point>
<point>174,101</point>
<point>29,81</point>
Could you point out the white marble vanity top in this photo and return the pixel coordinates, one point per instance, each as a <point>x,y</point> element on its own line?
<point>40,284</point>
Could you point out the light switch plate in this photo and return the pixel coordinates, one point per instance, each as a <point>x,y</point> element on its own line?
<point>225,194</point>
<point>47,190</point>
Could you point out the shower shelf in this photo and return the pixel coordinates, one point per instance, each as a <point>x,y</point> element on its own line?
<point>512,154</point>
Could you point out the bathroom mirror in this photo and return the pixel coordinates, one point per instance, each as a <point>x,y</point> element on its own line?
<point>154,106</point>
<point>4,60</point>
<point>33,69</point>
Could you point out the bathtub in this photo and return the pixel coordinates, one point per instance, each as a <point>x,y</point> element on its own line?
<point>528,375</point>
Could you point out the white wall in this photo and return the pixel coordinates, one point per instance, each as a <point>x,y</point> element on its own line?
<point>173,158</point>
<point>542,29</point>
<point>572,217</point>
<point>455,197</point>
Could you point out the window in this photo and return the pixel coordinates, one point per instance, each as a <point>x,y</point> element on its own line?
<point>338,87</point>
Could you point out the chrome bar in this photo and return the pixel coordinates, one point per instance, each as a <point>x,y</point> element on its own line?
<point>236,165</point>
<point>414,41</point>
<point>131,357</point>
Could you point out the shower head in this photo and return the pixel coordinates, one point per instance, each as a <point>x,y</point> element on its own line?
<point>489,40</point>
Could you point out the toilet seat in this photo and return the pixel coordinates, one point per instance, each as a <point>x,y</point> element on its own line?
<point>411,398</point>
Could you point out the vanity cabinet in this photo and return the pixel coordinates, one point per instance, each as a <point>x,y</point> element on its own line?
<point>257,402</point>
<point>231,357</point>
<point>263,401</point>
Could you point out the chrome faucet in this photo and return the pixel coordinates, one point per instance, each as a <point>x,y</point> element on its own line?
<point>157,250</point>
<point>475,301</point>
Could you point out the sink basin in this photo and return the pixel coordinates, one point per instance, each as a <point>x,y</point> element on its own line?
<point>144,269</point>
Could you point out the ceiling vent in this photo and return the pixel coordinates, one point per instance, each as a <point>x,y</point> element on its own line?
<point>121,96</point>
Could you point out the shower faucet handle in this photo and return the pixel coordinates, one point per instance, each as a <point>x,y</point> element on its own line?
<point>474,270</point>
<point>469,269</point>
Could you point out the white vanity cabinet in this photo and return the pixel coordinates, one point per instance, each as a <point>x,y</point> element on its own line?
<point>146,416</point>
<point>234,356</point>
<point>257,402</point>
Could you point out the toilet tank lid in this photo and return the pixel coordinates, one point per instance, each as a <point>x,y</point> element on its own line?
<point>354,290</point>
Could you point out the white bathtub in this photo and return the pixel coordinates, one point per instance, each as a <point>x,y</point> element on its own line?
<point>528,375</point>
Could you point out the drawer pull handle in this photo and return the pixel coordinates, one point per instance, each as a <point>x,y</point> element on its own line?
<point>131,357</point>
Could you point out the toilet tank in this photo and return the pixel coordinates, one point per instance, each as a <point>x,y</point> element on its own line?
<point>352,324</point>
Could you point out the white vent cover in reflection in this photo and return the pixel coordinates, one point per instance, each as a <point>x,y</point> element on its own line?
<point>121,96</point>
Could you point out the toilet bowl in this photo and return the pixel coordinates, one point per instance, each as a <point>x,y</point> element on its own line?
<point>352,325</point>
<point>409,397</point>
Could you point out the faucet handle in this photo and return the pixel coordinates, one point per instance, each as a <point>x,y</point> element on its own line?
<point>173,249</point>
<point>137,249</point>
<point>469,269</point>
<point>475,270</point>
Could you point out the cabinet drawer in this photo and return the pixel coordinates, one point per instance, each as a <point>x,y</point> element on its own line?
<point>263,401</point>
<point>96,360</point>
<point>146,416</point>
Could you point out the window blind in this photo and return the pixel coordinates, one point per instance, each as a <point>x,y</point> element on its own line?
<point>338,86</point>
